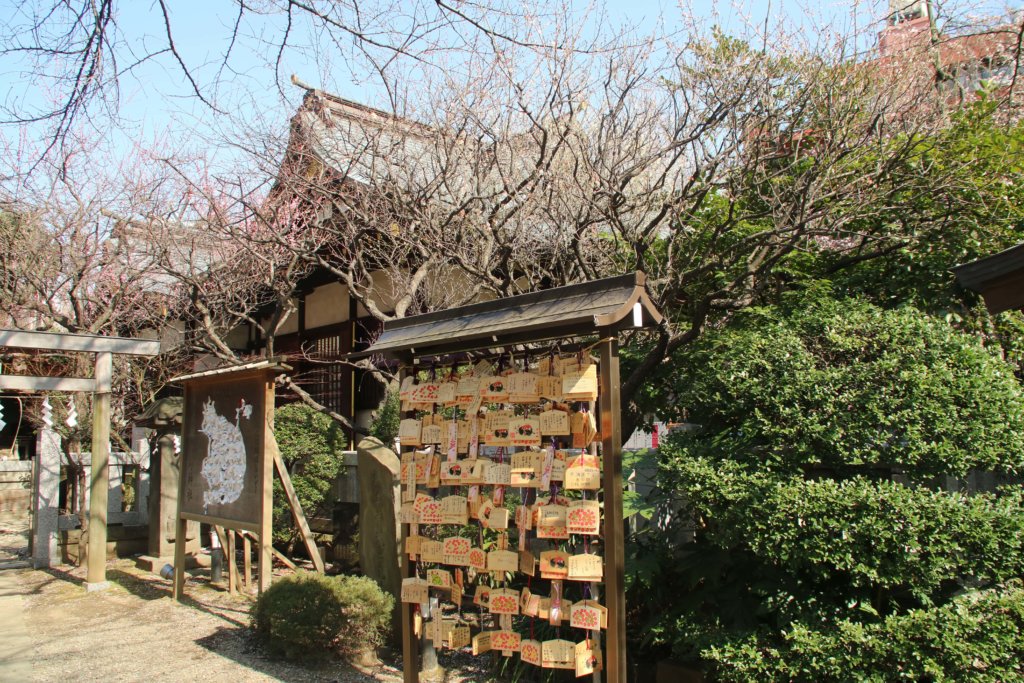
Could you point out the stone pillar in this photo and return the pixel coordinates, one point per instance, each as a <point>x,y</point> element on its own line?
<point>162,505</point>
<point>45,499</point>
<point>379,529</point>
<point>140,446</point>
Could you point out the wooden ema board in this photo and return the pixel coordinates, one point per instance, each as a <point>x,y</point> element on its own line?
<point>468,537</point>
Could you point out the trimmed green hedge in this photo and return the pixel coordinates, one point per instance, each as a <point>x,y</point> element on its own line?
<point>311,616</point>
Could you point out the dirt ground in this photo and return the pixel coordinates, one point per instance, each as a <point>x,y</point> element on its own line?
<point>134,631</point>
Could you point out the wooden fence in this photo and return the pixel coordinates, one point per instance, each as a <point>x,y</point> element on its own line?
<point>15,485</point>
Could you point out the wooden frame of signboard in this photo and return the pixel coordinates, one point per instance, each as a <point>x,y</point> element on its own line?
<point>236,491</point>
<point>601,309</point>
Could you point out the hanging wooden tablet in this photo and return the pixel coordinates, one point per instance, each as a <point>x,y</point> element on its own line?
<point>527,562</point>
<point>498,474</point>
<point>462,445</point>
<point>431,434</point>
<point>477,559</point>
<point>430,513</point>
<point>483,367</point>
<point>456,595</point>
<point>584,517</point>
<point>525,431</point>
<point>459,636</point>
<point>439,578</point>
<point>504,601</point>
<point>546,466</point>
<point>502,561</point>
<point>554,564</point>
<point>482,596</point>
<point>424,393</point>
<point>481,643</point>
<point>529,652</point>
<point>451,472</point>
<point>524,599</point>
<point>424,464</point>
<point>588,615</point>
<point>431,551</point>
<point>558,654</point>
<point>554,423</point>
<point>558,466</point>
<point>454,510</point>
<point>455,551</point>
<point>522,388</point>
<point>588,660</point>
<point>526,469</point>
<point>531,606</point>
<point>467,388</point>
<point>415,590</point>
<point>434,471</point>
<point>583,473</point>
<point>405,391</point>
<point>506,641</point>
<point>494,389</point>
<point>496,428</point>
<point>408,477</point>
<point>580,385</point>
<point>473,471</point>
<point>541,503</point>
<point>551,516</point>
<point>524,517</point>
<point>586,567</point>
<point>446,392</point>
<point>407,513</point>
<point>493,517</point>
<point>412,544</point>
<point>549,388</point>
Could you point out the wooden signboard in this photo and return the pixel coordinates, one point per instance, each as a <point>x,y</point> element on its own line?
<point>229,456</point>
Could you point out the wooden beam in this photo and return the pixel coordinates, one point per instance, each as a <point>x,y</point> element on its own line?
<point>410,653</point>
<point>99,474</point>
<point>266,530</point>
<point>26,383</point>
<point>246,561</point>
<point>293,502</point>
<point>285,560</point>
<point>63,341</point>
<point>232,566</point>
<point>615,551</point>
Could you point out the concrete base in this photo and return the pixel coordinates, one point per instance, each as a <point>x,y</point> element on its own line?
<point>97,586</point>
<point>15,564</point>
<point>155,564</point>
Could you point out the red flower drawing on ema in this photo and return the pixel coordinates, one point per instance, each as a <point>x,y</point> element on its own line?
<point>582,519</point>
<point>585,618</point>
<point>504,604</point>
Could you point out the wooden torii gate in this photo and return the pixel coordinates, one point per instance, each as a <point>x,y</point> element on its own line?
<point>99,386</point>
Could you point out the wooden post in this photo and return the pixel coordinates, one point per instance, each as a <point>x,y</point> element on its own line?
<point>267,504</point>
<point>246,562</point>
<point>410,651</point>
<point>615,552</point>
<point>232,566</point>
<point>293,503</point>
<point>99,476</point>
<point>181,528</point>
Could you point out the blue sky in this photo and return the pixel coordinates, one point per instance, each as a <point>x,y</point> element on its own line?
<point>157,106</point>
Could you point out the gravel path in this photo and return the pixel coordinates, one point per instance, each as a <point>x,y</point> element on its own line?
<point>134,631</point>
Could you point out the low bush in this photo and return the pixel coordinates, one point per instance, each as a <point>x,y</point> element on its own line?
<point>311,616</point>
